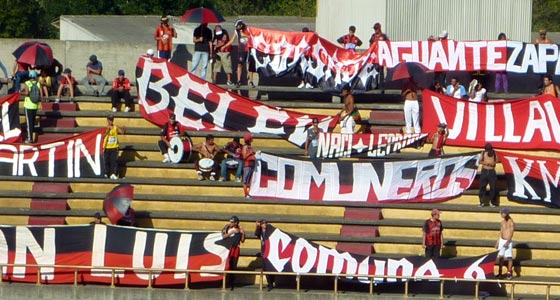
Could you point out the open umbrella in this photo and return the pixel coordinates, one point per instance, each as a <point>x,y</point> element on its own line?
<point>406,70</point>
<point>117,202</point>
<point>34,53</point>
<point>202,15</point>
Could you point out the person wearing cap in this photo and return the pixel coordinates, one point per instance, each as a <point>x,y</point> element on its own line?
<point>233,231</point>
<point>150,53</point>
<point>202,38</point>
<point>111,148</point>
<point>97,219</point>
<point>455,89</point>
<point>242,36</point>
<point>432,235</point>
<point>542,39</point>
<point>262,234</point>
<point>350,41</point>
<point>94,71</point>
<point>488,160</point>
<point>30,106</point>
<point>170,130</point>
<point>443,35</point>
<point>438,139</point>
<point>477,93</point>
<point>233,152</point>
<point>378,35</point>
<point>411,107</point>
<point>249,157</point>
<point>164,36</point>
<point>207,150</point>
<point>312,140</point>
<point>66,83</point>
<point>121,89</point>
<point>222,54</point>
<point>504,244</point>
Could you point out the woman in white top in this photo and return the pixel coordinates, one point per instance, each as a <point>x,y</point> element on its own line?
<point>476,92</point>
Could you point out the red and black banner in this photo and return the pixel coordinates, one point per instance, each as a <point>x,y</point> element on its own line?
<point>117,203</point>
<point>9,117</point>
<point>165,88</point>
<point>530,123</point>
<point>377,181</point>
<point>288,253</point>
<point>77,156</point>
<point>532,179</point>
<point>338,145</point>
<point>111,246</point>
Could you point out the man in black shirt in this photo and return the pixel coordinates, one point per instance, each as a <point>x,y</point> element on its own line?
<point>202,38</point>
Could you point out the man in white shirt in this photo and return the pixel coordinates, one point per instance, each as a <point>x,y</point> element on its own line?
<point>456,90</point>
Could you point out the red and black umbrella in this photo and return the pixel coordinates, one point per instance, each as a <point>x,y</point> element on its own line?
<point>202,15</point>
<point>34,53</point>
<point>117,202</point>
<point>406,70</point>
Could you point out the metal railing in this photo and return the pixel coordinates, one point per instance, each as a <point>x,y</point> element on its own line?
<point>373,279</point>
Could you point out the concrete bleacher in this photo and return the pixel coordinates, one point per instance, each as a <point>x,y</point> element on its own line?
<point>169,196</point>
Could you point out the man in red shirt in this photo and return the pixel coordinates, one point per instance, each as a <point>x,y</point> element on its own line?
<point>164,36</point>
<point>169,131</point>
<point>432,235</point>
<point>121,89</point>
<point>350,40</point>
<point>67,82</point>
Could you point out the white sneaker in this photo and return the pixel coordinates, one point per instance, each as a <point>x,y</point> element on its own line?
<point>222,179</point>
<point>114,109</point>
<point>127,109</point>
<point>308,86</point>
<point>301,85</point>
<point>237,179</point>
<point>56,100</point>
<point>166,158</point>
<point>200,177</point>
<point>114,177</point>
<point>212,178</point>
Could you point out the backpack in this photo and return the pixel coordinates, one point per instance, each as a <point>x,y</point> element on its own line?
<point>34,92</point>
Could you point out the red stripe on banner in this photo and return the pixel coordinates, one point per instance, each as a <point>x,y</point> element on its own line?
<point>530,123</point>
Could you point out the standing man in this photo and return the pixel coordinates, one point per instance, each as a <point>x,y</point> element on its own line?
<point>94,71</point>
<point>349,112</point>
<point>378,35</point>
<point>121,89</point>
<point>202,38</point>
<point>504,245</point>
<point>242,37</point>
<point>260,233</point>
<point>111,148</point>
<point>33,94</point>
<point>411,107</point>
<point>438,139</point>
<point>455,89</point>
<point>312,140</point>
<point>169,131</point>
<point>222,54</point>
<point>350,41</point>
<point>488,160</point>
<point>542,38</point>
<point>249,156</point>
<point>237,234</point>
<point>432,235</point>
<point>164,36</point>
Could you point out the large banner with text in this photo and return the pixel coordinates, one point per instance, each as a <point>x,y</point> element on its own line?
<point>532,179</point>
<point>378,181</point>
<point>165,88</point>
<point>9,119</point>
<point>285,252</point>
<point>101,246</point>
<point>530,123</point>
<point>77,156</point>
<point>338,145</point>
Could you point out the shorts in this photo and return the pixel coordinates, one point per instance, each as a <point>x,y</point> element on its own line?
<point>223,60</point>
<point>505,251</point>
<point>245,57</point>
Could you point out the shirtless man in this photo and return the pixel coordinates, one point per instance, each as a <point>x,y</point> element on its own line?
<point>549,88</point>
<point>488,162</point>
<point>347,121</point>
<point>504,244</point>
<point>438,140</point>
<point>542,39</point>
<point>411,107</point>
<point>208,150</point>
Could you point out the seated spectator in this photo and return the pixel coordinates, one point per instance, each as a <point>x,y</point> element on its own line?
<point>54,71</point>
<point>437,87</point>
<point>66,83</point>
<point>542,39</point>
<point>438,139</point>
<point>206,164</point>
<point>46,84</point>
<point>97,219</point>
<point>455,89</point>
<point>94,71</point>
<point>549,88</point>
<point>169,131</point>
<point>129,218</point>
<point>21,74</point>
<point>121,89</point>
<point>233,152</point>
<point>477,93</point>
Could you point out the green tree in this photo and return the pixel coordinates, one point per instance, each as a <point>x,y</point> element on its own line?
<point>546,15</point>
<point>21,19</point>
